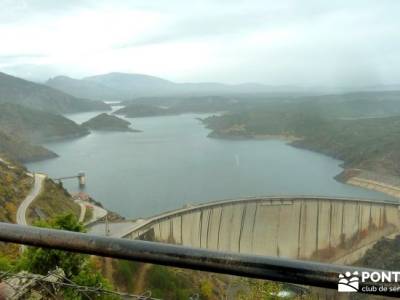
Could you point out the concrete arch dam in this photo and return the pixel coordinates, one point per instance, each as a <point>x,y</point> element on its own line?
<point>334,230</point>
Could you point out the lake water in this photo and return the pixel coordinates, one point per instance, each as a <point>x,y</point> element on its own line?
<point>173,162</point>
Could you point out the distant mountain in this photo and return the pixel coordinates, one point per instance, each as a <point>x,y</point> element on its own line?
<point>356,104</point>
<point>41,97</point>
<point>36,126</point>
<point>161,106</point>
<point>106,122</point>
<point>31,72</point>
<point>142,110</point>
<point>85,88</point>
<point>124,86</point>
<point>129,82</point>
<point>112,86</point>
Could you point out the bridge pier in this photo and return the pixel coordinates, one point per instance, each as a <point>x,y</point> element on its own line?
<point>82,179</point>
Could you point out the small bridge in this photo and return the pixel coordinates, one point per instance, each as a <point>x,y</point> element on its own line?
<point>81,178</point>
<point>336,230</point>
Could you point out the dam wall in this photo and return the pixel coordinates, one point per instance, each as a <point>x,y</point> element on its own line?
<point>310,228</point>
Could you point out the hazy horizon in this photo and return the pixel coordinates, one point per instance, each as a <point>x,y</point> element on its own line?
<point>287,43</point>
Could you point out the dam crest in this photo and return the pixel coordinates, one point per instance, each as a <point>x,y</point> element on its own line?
<point>336,230</point>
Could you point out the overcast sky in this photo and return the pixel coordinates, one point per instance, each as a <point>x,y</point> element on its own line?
<point>302,42</point>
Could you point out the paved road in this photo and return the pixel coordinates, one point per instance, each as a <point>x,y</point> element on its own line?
<point>116,229</point>
<point>98,212</point>
<point>83,210</point>
<point>37,187</point>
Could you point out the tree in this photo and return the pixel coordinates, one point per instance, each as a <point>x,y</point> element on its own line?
<point>77,267</point>
<point>5,264</point>
<point>260,290</point>
<point>206,289</point>
<point>41,261</point>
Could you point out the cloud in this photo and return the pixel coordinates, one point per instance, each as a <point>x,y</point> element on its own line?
<point>275,42</point>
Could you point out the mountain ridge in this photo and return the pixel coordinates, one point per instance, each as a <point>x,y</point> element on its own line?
<point>42,97</point>
<point>126,86</point>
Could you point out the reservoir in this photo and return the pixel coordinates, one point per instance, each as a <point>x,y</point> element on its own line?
<point>172,163</point>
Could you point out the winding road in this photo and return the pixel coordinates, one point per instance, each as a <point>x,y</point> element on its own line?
<point>97,211</point>
<point>37,188</point>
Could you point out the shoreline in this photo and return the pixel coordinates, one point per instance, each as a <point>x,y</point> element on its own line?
<point>260,137</point>
<point>348,175</point>
<point>387,189</point>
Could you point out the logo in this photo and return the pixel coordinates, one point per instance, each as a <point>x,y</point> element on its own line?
<point>348,282</point>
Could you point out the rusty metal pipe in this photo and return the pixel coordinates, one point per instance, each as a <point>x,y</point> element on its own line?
<point>255,266</point>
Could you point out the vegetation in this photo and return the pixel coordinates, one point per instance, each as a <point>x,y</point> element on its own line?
<point>41,97</point>
<point>369,143</point>
<point>53,200</point>
<point>355,105</point>
<point>163,282</point>
<point>22,127</point>
<point>5,264</point>
<point>125,274</point>
<point>259,290</point>
<point>173,283</point>
<point>36,126</point>
<point>108,123</point>
<point>385,254</point>
<point>167,284</point>
<point>88,215</point>
<point>161,106</point>
<point>41,261</point>
<point>14,186</point>
<point>18,149</point>
<point>142,110</point>
<point>77,267</point>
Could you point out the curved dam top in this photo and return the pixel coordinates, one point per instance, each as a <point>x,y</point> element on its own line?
<point>337,230</point>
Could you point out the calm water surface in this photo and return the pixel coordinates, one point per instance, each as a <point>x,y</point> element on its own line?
<point>172,163</point>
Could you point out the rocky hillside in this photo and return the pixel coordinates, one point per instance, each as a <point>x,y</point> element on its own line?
<point>41,97</point>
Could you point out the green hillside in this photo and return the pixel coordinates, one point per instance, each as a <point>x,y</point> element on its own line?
<point>53,201</point>
<point>160,106</point>
<point>22,129</point>
<point>36,126</point>
<point>14,186</point>
<point>41,97</point>
<point>370,143</point>
<point>21,150</point>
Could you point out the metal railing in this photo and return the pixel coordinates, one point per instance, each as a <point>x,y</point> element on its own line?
<point>255,266</point>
